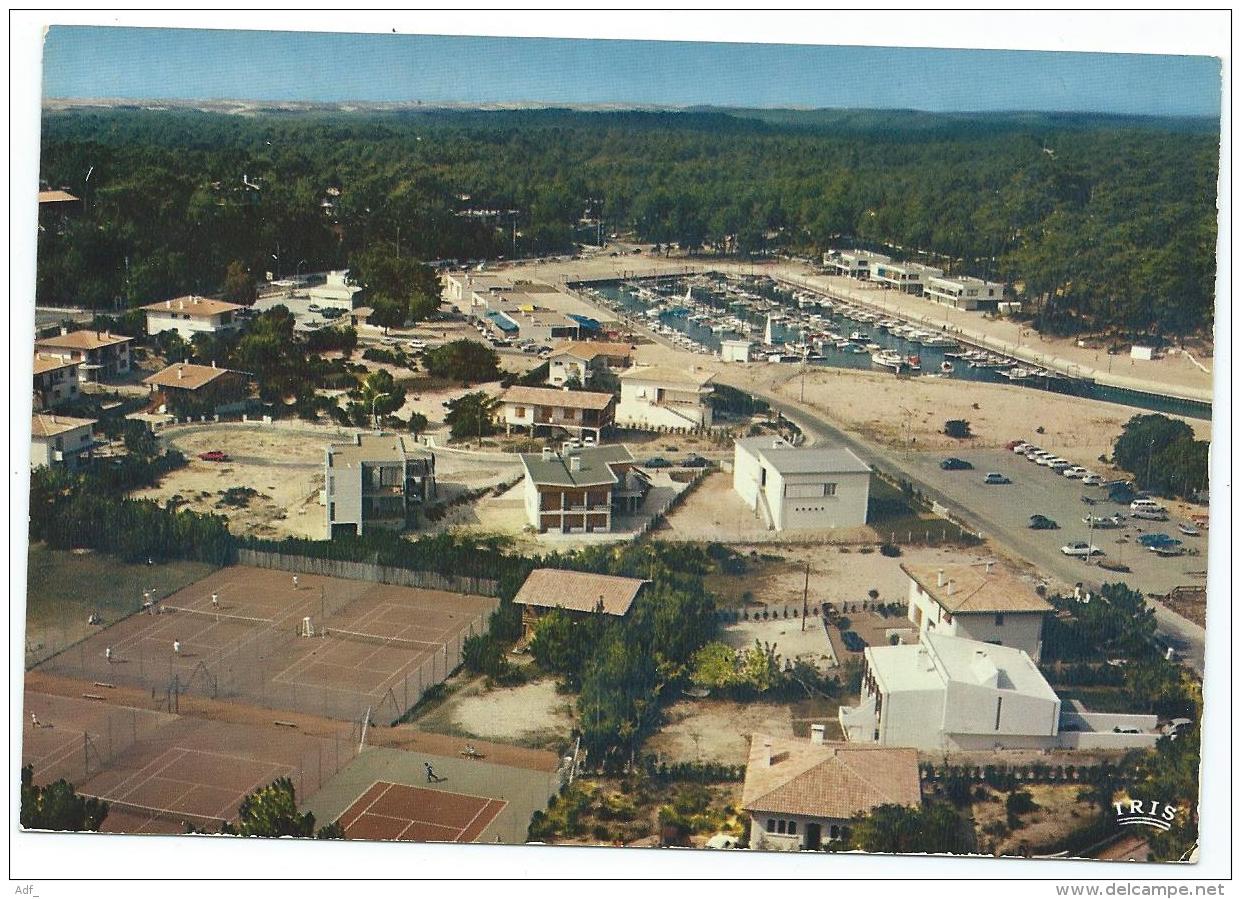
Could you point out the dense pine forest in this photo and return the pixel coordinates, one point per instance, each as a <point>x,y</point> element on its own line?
<point>1099,223</point>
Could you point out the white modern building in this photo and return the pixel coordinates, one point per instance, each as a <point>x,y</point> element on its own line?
<point>192,315</point>
<point>335,292</point>
<point>963,292</point>
<point>654,396</point>
<point>853,263</point>
<point>907,277</point>
<point>949,693</point>
<point>376,481</point>
<point>983,601</point>
<point>801,488</point>
<point>735,350</point>
<point>58,441</point>
<point>803,794</point>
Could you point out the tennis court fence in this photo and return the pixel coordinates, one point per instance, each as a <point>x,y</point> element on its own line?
<point>368,571</point>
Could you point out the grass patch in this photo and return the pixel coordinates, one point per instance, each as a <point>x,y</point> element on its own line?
<point>64,587</point>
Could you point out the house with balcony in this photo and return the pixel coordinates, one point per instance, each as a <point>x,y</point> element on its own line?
<point>58,441</point>
<point>803,794</point>
<point>801,488</point>
<point>376,481</point>
<point>186,390</point>
<point>55,381</point>
<point>581,359</point>
<point>964,292</point>
<point>856,264</point>
<point>907,277</point>
<point>984,601</point>
<point>101,355</point>
<point>654,396</point>
<point>581,489</point>
<point>953,694</point>
<point>579,594</point>
<point>192,315</point>
<point>543,409</point>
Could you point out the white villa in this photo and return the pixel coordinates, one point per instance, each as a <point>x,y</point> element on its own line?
<point>907,277</point>
<point>800,488</point>
<point>192,315</point>
<point>853,263</point>
<point>654,395</point>
<point>335,293</point>
<point>580,359</point>
<point>981,602</point>
<point>735,350</point>
<point>59,441</point>
<point>948,693</point>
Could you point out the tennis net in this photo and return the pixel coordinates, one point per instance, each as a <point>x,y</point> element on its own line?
<point>379,639</point>
<point>184,820</point>
<point>217,616</point>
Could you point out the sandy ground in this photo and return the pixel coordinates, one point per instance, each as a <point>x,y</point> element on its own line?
<point>284,467</point>
<point>787,636</point>
<point>1059,811</point>
<point>533,714</point>
<point>717,730</point>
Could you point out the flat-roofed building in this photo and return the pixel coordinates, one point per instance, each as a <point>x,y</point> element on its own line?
<point>582,358</point>
<point>58,441</point>
<point>335,292</point>
<point>578,593</point>
<point>654,396</point>
<point>735,350</point>
<point>964,292</point>
<point>983,601</point>
<point>185,389</point>
<point>541,409</point>
<point>803,794</point>
<point>949,693</point>
<point>907,277</point>
<point>192,315</point>
<point>55,381</point>
<point>801,488</point>
<point>853,263</point>
<point>376,481</point>
<point>102,355</point>
<point>579,490</point>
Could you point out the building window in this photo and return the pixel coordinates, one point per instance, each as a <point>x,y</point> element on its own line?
<point>793,828</point>
<point>999,619</point>
<point>781,826</point>
<point>999,704</point>
<point>829,489</point>
<point>771,825</point>
<point>833,831</point>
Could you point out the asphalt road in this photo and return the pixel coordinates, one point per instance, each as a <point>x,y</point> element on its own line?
<point>1001,513</point>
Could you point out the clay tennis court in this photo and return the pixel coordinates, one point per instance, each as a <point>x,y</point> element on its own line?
<point>160,773</point>
<point>390,811</point>
<point>245,632</point>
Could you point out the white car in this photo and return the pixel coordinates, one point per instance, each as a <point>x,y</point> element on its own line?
<point>1074,471</point>
<point>1090,479</point>
<point>1058,465</point>
<point>1080,550</point>
<point>417,346</point>
<point>1021,447</point>
<point>1045,459</point>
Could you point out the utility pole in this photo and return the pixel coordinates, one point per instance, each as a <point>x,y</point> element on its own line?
<point>805,598</point>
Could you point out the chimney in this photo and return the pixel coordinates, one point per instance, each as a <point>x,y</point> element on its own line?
<point>767,752</point>
<point>180,372</point>
<point>167,304</point>
<point>64,331</point>
<point>818,733</point>
<point>213,363</point>
<point>548,453</point>
<point>950,585</point>
<point>939,578</point>
<point>989,563</point>
<point>575,463</point>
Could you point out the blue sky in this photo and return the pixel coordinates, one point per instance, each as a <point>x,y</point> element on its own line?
<point>84,62</point>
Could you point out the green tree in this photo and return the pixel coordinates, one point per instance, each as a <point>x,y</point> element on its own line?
<point>714,666</point>
<point>465,361</point>
<point>58,806</point>
<point>239,284</point>
<point>471,416</point>
<point>271,811</point>
<point>933,828</point>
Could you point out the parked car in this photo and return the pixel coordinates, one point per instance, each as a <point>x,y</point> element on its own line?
<point>1074,471</point>
<point>1103,521</point>
<point>853,642</point>
<point>417,346</point>
<point>314,307</point>
<point>1149,540</point>
<point>656,462</point>
<point>1189,529</point>
<point>214,456</point>
<point>994,477</point>
<point>1078,549</point>
<point>1043,523</point>
<point>1058,465</point>
<point>332,314</point>
<point>1090,479</point>
<point>695,462</point>
<point>1176,727</point>
<point>954,464</point>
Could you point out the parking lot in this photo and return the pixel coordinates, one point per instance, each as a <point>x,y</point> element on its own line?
<point>1037,490</point>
